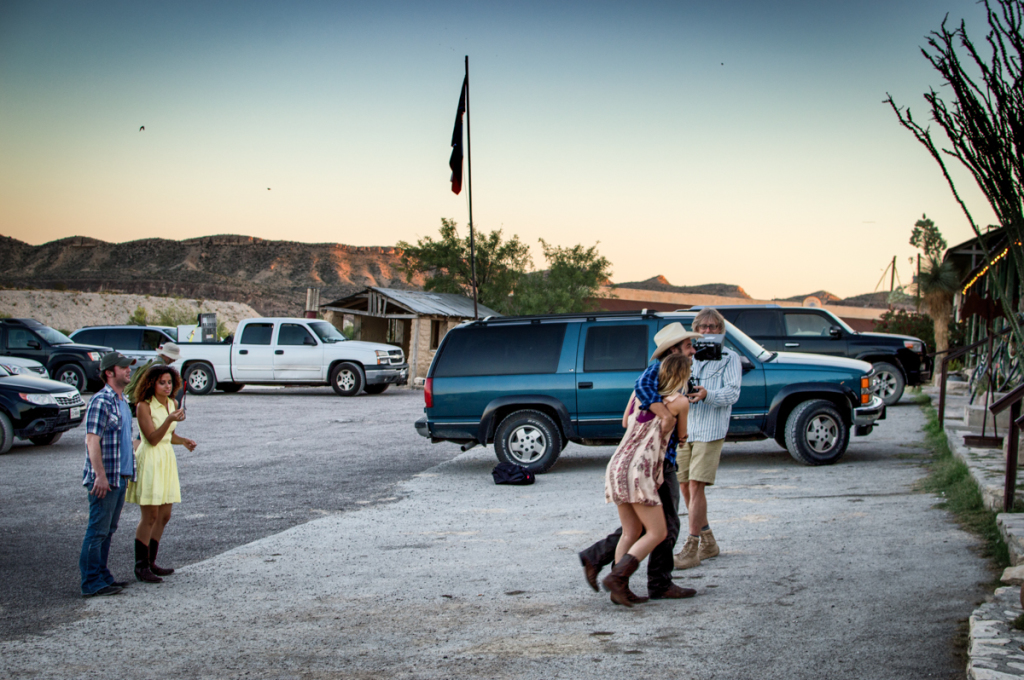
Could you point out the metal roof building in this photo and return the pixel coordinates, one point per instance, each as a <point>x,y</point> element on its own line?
<point>415,320</point>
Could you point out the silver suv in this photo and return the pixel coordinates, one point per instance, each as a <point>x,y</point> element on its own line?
<point>137,342</point>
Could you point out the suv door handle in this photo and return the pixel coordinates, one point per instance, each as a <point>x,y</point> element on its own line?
<point>585,385</point>
<point>792,344</point>
<point>243,351</point>
<point>278,351</point>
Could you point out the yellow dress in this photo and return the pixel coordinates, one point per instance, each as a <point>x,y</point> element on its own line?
<point>157,468</point>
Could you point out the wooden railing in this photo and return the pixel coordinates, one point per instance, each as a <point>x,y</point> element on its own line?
<point>955,354</point>
<point>1011,400</point>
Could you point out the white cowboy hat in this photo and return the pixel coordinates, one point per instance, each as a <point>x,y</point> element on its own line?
<point>669,336</point>
<point>173,352</point>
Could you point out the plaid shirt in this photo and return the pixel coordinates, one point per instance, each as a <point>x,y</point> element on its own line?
<point>647,394</point>
<point>105,418</point>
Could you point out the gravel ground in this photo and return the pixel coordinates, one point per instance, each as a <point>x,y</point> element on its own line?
<point>840,572</point>
<point>268,459</point>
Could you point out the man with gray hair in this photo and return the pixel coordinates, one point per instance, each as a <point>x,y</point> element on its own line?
<point>718,388</point>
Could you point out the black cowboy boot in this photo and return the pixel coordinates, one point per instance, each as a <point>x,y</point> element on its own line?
<point>154,545</point>
<point>142,570</point>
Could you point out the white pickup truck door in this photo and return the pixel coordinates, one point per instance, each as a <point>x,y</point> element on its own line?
<point>252,356</point>
<point>298,355</point>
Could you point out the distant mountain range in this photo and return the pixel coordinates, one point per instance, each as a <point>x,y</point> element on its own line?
<point>270,276</point>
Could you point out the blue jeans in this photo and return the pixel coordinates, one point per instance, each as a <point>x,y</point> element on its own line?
<point>103,516</point>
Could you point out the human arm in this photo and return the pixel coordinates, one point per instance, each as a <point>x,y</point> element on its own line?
<point>646,388</point>
<point>630,405</point>
<point>100,486</point>
<point>154,434</point>
<point>189,444</point>
<point>682,417</point>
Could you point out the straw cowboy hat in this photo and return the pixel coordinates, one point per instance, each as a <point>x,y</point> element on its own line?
<point>669,336</point>
<point>172,352</point>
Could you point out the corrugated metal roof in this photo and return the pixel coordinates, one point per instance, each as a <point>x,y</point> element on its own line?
<point>427,303</point>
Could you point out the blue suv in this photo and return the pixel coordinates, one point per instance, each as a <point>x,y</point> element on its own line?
<point>531,384</point>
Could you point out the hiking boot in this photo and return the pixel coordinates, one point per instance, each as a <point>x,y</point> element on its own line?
<point>689,556</point>
<point>673,592</point>
<point>708,545</point>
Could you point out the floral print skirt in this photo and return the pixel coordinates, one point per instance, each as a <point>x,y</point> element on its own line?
<point>636,470</point>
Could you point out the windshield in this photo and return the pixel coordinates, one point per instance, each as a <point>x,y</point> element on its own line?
<point>839,322</point>
<point>53,337</point>
<point>741,340</point>
<point>326,332</point>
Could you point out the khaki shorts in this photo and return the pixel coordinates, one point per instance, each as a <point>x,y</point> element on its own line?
<point>699,461</point>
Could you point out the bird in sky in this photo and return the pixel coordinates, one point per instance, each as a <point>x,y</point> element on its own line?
<point>141,128</point>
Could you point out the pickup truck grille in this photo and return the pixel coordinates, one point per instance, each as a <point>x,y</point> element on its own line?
<point>395,356</point>
<point>73,400</point>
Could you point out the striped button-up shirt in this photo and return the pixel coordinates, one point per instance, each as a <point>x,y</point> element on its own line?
<point>709,417</point>
<point>108,416</point>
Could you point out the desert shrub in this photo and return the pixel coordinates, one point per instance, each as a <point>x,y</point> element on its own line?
<point>139,317</point>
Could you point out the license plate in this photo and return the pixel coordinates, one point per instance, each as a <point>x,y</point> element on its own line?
<point>76,412</point>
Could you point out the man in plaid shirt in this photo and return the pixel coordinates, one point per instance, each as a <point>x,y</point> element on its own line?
<point>109,464</point>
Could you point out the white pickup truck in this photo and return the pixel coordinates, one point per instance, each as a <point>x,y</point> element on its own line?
<point>291,352</point>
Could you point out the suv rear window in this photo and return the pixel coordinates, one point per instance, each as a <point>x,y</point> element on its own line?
<point>615,348</point>
<point>501,350</point>
<point>124,338</point>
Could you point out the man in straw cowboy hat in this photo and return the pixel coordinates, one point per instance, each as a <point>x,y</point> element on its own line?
<point>673,339</point>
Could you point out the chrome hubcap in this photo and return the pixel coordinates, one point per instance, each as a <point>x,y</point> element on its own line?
<point>346,380</point>
<point>527,444</point>
<point>198,380</point>
<point>822,433</point>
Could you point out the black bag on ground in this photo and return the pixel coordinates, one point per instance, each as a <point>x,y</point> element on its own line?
<point>509,473</point>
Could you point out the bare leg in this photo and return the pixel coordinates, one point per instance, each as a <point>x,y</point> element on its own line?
<point>698,507</point>
<point>653,519</point>
<point>147,523</point>
<point>631,528</point>
<point>684,490</point>
<point>163,517</point>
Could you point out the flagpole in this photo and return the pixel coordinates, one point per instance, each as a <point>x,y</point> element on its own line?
<point>469,186</point>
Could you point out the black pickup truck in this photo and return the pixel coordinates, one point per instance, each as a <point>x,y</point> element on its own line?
<point>69,362</point>
<point>899,360</point>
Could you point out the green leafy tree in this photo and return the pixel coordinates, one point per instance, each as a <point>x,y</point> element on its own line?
<point>927,237</point>
<point>500,264</point>
<point>983,121</point>
<point>573,276</point>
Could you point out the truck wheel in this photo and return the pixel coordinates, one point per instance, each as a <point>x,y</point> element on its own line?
<point>71,374</point>
<point>377,389</point>
<point>230,388</point>
<point>346,380</point>
<point>6,433</point>
<point>199,379</point>
<point>46,439</point>
<point>816,433</point>
<point>528,438</point>
<point>889,382</point>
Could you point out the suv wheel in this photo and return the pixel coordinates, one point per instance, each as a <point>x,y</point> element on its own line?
<point>889,382</point>
<point>46,439</point>
<point>6,433</point>
<point>199,379</point>
<point>230,388</point>
<point>346,380</point>
<point>528,438</point>
<point>377,389</point>
<point>816,433</point>
<point>71,374</point>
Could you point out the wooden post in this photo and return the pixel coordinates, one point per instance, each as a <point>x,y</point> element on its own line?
<point>1010,486</point>
<point>943,374</point>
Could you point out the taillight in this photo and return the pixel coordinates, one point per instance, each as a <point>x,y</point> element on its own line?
<point>428,393</point>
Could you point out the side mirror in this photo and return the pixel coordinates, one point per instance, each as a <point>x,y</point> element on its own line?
<point>835,332</point>
<point>746,364</point>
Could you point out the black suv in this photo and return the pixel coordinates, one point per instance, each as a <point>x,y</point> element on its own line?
<point>67,361</point>
<point>36,409</point>
<point>899,360</point>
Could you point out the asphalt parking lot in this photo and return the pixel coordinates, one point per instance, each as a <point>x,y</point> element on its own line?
<point>267,460</point>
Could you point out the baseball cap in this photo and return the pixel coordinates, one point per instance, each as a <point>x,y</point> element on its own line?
<point>111,359</point>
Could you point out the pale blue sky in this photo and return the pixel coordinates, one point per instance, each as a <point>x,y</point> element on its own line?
<point>741,142</point>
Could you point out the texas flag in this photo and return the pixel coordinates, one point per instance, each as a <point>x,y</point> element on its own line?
<point>455,162</point>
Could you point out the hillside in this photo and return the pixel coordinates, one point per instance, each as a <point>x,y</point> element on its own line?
<point>271,276</point>
<point>660,283</point>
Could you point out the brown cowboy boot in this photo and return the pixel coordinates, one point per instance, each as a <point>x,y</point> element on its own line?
<point>590,572</point>
<point>154,545</point>
<point>617,582</point>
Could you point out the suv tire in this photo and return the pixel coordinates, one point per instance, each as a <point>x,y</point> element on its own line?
<point>377,389</point>
<point>816,433</point>
<point>6,433</point>
<point>890,382</point>
<point>346,379</point>
<point>199,379</point>
<point>230,387</point>
<point>46,439</point>
<point>71,374</point>
<point>528,438</point>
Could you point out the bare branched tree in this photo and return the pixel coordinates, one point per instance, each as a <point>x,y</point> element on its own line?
<point>984,123</point>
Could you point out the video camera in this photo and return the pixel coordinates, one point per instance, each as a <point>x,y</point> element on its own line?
<point>709,348</point>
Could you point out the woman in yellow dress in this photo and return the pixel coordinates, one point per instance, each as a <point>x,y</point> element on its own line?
<point>157,474</point>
